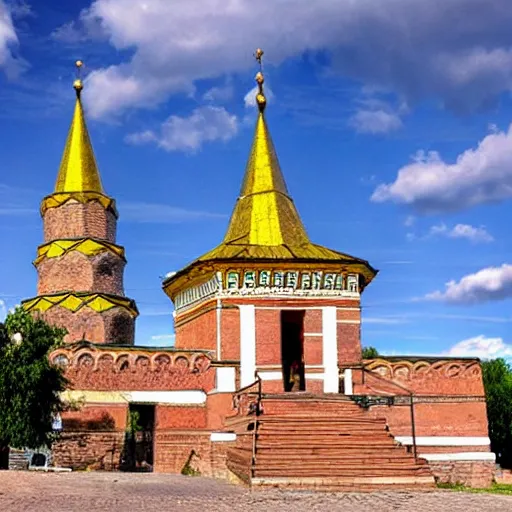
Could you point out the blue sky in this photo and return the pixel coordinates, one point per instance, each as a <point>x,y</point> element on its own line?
<point>390,118</point>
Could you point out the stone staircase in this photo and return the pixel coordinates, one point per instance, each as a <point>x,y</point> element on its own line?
<point>323,442</point>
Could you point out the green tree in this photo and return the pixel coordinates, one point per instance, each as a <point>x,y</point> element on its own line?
<point>29,384</point>
<point>497,377</point>
<point>370,353</point>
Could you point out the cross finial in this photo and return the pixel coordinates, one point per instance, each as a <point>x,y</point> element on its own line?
<point>77,84</point>
<point>260,79</point>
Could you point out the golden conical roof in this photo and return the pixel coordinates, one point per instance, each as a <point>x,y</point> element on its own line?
<point>265,225</point>
<point>78,171</point>
<point>264,214</point>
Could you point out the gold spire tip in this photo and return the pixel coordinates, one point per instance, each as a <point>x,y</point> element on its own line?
<point>77,84</point>
<point>260,79</point>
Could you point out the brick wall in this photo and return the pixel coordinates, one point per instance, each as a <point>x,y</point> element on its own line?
<point>180,417</point>
<point>198,329</point>
<point>112,326</point>
<point>476,474</point>
<point>119,370</point>
<point>268,336</point>
<point>174,449</point>
<point>230,333</point>
<point>218,406</point>
<point>313,345</point>
<point>77,220</point>
<point>437,419</point>
<point>89,450</point>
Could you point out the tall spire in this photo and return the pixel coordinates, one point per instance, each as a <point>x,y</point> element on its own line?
<point>78,171</point>
<point>264,214</point>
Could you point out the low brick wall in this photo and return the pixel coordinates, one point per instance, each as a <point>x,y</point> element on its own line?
<point>478,474</point>
<point>175,450</point>
<point>99,450</point>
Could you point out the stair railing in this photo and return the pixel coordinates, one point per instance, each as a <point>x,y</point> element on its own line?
<point>366,402</point>
<point>244,403</point>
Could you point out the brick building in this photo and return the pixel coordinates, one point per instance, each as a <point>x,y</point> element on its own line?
<point>266,381</point>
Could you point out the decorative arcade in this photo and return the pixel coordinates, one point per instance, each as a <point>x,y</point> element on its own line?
<point>266,383</point>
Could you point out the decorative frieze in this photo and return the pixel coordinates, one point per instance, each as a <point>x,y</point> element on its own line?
<point>285,283</point>
<point>197,293</point>
<point>271,282</point>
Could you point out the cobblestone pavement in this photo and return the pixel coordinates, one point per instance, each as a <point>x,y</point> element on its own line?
<point>122,492</point>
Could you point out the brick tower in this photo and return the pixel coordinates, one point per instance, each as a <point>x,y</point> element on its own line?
<point>267,298</point>
<point>80,267</point>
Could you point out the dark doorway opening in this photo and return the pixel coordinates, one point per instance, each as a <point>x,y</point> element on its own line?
<point>138,442</point>
<point>292,350</point>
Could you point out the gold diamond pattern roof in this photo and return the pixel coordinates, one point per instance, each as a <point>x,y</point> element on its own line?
<point>78,171</point>
<point>265,223</point>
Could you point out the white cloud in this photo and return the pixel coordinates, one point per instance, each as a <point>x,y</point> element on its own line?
<point>3,310</point>
<point>375,121</point>
<point>141,212</point>
<point>478,176</point>
<point>409,221</point>
<point>482,347</point>
<point>488,284</point>
<point>219,94</point>
<point>205,124</point>
<point>419,49</point>
<point>385,320</point>
<point>8,43</point>
<point>471,233</point>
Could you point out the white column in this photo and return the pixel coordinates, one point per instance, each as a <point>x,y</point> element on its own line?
<point>247,344</point>
<point>347,379</point>
<point>330,349</point>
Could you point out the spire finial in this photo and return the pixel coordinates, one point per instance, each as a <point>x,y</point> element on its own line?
<point>260,97</point>
<point>77,84</point>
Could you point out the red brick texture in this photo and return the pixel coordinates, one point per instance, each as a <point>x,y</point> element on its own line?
<point>115,325</point>
<point>89,450</point>
<point>476,474</point>
<point>180,417</point>
<point>136,370</point>
<point>176,449</point>
<point>197,330</point>
<point>437,418</point>
<point>74,271</point>
<point>268,336</point>
<point>77,220</point>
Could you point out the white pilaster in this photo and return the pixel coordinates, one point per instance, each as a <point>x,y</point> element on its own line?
<point>225,379</point>
<point>347,379</point>
<point>247,344</point>
<point>330,349</point>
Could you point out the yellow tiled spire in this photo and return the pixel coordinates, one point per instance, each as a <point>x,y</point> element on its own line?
<point>264,214</point>
<point>78,171</point>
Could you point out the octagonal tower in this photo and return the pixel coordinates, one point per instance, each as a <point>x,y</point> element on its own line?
<point>80,267</point>
<point>267,298</point>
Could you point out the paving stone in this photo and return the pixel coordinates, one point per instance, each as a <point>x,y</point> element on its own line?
<point>121,492</point>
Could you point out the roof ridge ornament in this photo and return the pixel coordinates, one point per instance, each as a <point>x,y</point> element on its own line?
<point>77,84</point>
<point>260,80</point>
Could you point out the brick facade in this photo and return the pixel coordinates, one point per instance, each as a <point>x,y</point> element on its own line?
<point>76,271</point>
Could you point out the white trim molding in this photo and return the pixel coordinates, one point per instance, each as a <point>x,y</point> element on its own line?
<point>445,441</point>
<point>225,379</point>
<point>178,397</point>
<point>330,349</point>
<point>356,322</point>
<point>219,437</point>
<point>462,456</point>
<point>270,375</point>
<point>168,397</point>
<point>247,344</point>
